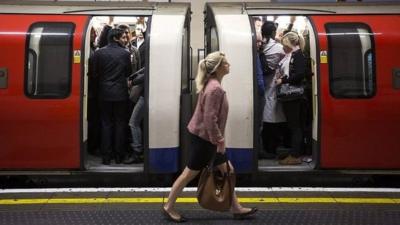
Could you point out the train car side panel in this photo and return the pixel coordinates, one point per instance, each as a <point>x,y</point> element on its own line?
<point>164,92</point>
<point>40,114</point>
<point>238,85</point>
<point>359,114</point>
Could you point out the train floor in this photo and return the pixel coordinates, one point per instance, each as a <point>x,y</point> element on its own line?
<point>278,206</point>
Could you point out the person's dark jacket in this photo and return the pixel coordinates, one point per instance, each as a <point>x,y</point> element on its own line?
<point>260,76</point>
<point>112,65</point>
<point>139,80</point>
<point>297,68</point>
<point>142,53</point>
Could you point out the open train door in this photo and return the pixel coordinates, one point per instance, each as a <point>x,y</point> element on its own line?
<point>359,75</point>
<point>40,90</point>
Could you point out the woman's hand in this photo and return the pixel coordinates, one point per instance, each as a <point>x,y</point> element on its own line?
<point>278,81</point>
<point>221,146</point>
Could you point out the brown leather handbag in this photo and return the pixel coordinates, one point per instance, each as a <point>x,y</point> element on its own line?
<point>215,190</point>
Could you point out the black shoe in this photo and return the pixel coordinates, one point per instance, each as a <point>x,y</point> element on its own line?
<point>132,159</point>
<point>106,161</point>
<point>269,155</point>
<point>261,155</point>
<point>167,215</point>
<point>118,159</point>
<point>246,215</point>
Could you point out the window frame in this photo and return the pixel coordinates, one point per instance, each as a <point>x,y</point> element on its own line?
<point>29,52</point>
<point>365,66</point>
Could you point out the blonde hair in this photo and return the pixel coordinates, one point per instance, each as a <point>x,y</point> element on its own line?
<point>292,39</point>
<point>207,68</point>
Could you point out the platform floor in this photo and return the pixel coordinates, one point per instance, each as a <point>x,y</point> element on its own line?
<point>279,207</point>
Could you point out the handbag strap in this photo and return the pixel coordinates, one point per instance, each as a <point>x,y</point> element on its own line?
<point>210,165</point>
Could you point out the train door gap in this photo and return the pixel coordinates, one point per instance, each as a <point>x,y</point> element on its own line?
<point>275,142</point>
<point>126,160</point>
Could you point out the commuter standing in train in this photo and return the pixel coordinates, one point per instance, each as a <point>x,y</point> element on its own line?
<point>207,132</point>
<point>94,123</point>
<point>137,115</point>
<point>292,70</point>
<point>273,116</point>
<point>140,43</point>
<point>136,109</point>
<point>135,58</point>
<point>260,64</point>
<point>103,38</point>
<point>112,65</point>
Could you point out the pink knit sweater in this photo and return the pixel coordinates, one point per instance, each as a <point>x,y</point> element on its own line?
<point>209,117</point>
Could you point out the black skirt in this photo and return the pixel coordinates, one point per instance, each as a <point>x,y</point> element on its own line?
<point>201,152</point>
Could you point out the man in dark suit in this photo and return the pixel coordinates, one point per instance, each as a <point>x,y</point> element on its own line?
<point>112,66</point>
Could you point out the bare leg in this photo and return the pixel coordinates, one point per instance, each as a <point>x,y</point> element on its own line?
<point>236,207</point>
<point>186,176</point>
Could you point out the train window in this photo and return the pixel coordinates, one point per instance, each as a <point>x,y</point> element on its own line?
<point>185,62</point>
<point>351,57</point>
<point>214,40</point>
<point>49,60</point>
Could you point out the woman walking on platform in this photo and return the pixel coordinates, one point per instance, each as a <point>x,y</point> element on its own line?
<point>207,132</point>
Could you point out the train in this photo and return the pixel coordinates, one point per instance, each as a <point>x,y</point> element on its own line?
<point>354,85</point>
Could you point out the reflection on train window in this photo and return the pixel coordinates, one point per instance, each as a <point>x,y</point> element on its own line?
<point>351,58</point>
<point>214,40</point>
<point>185,62</point>
<point>49,60</point>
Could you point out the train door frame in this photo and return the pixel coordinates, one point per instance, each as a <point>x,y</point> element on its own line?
<point>165,93</point>
<point>84,94</point>
<point>186,95</point>
<point>221,34</point>
<point>85,81</point>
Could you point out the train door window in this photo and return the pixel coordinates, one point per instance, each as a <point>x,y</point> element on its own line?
<point>185,61</point>
<point>211,33</point>
<point>214,40</point>
<point>49,60</point>
<point>351,58</point>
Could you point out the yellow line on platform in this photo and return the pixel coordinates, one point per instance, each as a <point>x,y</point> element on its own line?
<point>194,200</point>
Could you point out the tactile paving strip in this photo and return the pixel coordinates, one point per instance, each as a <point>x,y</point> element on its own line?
<point>146,217</point>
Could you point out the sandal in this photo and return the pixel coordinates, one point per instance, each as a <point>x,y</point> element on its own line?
<point>167,215</point>
<point>246,215</point>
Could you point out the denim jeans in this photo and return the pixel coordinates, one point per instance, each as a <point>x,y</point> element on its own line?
<point>134,123</point>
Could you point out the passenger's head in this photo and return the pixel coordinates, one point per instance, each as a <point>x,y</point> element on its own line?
<point>291,40</point>
<point>126,30</point>
<point>118,36</point>
<point>93,36</point>
<point>268,30</point>
<point>214,65</point>
<point>279,34</point>
<point>139,30</point>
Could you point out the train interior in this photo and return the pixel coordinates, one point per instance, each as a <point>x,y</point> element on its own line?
<point>95,39</point>
<point>277,135</point>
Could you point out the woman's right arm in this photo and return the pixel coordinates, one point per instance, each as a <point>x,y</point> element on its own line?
<point>212,105</point>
